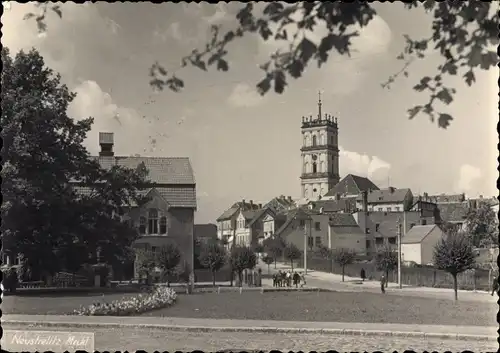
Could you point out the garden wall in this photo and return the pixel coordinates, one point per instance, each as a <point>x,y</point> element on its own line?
<point>415,276</point>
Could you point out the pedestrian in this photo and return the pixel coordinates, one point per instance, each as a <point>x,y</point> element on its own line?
<point>287,279</point>
<point>303,280</point>
<point>363,274</point>
<point>296,279</point>
<point>495,287</point>
<point>382,284</point>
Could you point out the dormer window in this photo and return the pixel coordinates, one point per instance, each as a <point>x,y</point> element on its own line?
<point>163,225</point>
<point>153,221</point>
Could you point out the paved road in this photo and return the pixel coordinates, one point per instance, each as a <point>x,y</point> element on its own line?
<point>151,340</point>
<point>334,282</point>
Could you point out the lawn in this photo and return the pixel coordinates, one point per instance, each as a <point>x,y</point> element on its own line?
<point>331,306</point>
<point>286,306</point>
<point>56,304</point>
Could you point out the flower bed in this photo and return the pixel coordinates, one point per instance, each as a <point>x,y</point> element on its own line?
<point>160,297</point>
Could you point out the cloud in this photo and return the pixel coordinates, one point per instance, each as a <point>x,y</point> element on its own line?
<point>468,177</point>
<point>133,133</point>
<point>362,164</point>
<point>243,95</point>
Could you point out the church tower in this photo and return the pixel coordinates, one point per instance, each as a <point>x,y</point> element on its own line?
<point>320,154</point>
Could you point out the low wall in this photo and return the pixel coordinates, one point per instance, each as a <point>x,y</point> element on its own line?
<point>415,276</point>
<point>70,290</point>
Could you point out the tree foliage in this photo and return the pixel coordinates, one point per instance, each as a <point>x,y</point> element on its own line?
<point>386,260</point>
<point>462,33</point>
<point>343,257</point>
<point>274,246</point>
<point>45,216</point>
<point>292,252</point>
<point>242,258</point>
<point>145,262</point>
<point>213,256</point>
<point>454,254</point>
<point>268,260</point>
<point>482,225</point>
<point>169,259</point>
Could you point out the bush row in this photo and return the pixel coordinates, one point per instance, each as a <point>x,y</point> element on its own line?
<point>158,298</point>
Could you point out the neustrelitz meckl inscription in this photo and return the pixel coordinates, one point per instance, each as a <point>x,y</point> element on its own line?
<point>15,340</point>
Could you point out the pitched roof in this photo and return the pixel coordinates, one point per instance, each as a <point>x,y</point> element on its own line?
<point>260,213</point>
<point>227,214</point>
<point>162,170</point>
<point>390,195</point>
<point>342,220</point>
<point>175,196</point>
<point>249,215</point>
<point>443,198</point>
<point>352,185</point>
<point>417,233</point>
<point>330,206</point>
<point>296,214</point>
<point>281,203</point>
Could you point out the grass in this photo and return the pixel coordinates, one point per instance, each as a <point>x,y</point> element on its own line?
<point>286,306</point>
<point>333,306</point>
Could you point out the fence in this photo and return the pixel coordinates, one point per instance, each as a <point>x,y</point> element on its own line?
<point>479,279</point>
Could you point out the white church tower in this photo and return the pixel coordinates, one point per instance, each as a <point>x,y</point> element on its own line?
<point>320,155</point>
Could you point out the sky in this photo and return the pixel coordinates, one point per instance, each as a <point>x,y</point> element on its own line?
<point>242,145</point>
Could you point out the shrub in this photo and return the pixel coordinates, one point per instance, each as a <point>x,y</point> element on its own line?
<point>343,257</point>
<point>10,279</point>
<point>292,252</point>
<point>213,256</point>
<point>386,260</point>
<point>242,258</point>
<point>169,259</point>
<point>158,298</point>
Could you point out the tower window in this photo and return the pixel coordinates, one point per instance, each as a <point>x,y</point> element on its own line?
<point>315,168</point>
<point>315,142</point>
<point>153,221</point>
<point>331,140</point>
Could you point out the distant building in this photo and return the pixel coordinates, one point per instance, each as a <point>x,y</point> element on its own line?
<point>226,223</point>
<point>388,200</point>
<point>320,155</point>
<point>350,186</point>
<point>281,203</point>
<point>418,244</point>
<point>205,233</point>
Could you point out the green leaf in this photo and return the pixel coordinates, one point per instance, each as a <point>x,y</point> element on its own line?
<point>444,96</point>
<point>444,120</point>
<point>57,10</point>
<point>412,112</point>
<point>28,16</point>
<point>222,65</point>
<point>470,78</point>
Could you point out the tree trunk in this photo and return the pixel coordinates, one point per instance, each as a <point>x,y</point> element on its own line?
<point>343,273</point>
<point>240,278</point>
<point>331,265</point>
<point>275,263</point>
<point>386,278</point>
<point>213,279</point>
<point>231,277</point>
<point>268,269</point>
<point>455,285</point>
<point>291,263</point>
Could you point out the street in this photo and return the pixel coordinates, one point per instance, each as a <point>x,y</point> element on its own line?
<point>151,340</point>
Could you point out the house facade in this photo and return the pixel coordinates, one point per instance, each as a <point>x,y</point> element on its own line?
<point>418,244</point>
<point>350,187</point>
<point>227,222</point>
<point>387,200</point>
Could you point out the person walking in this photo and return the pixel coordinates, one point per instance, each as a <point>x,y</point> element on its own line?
<point>363,274</point>
<point>303,280</point>
<point>382,284</point>
<point>296,279</point>
<point>495,287</point>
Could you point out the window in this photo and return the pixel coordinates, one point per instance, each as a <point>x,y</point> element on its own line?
<point>389,209</point>
<point>153,249</point>
<point>142,225</point>
<point>379,240</point>
<point>377,226</point>
<point>302,223</point>
<point>380,209</point>
<point>317,225</point>
<point>153,221</point>
<point>424,222</point>
<point>315,167</point>
<point>396,209</point>
<point>392,240</point>
<point>412,225</point>
<point>310,242</point>
<point>368,244</point>
<point>318,241</point>
<point>315,142</point>
<point>163,225</point>
<point>367,230</point>
<point>331,140</point>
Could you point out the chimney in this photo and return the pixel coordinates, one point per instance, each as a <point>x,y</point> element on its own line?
<point>337,196</point>
<point>481,197</point>
<point>260,205</point>
<point>243,203</point>
<point>106,143</point>
<point>391,189</point>
<point>251,204</point>
<point>364,195</point>
<point>290,199</point>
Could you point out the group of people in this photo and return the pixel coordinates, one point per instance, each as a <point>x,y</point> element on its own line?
<point>286,278</point>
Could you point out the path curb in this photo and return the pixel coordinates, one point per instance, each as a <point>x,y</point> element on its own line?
<point>346,332</point>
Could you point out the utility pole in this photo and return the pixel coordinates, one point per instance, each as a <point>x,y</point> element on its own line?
<point>399,255</point>
<point>306,238</point>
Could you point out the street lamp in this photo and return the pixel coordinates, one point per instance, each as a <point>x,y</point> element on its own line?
<point>399,254</point>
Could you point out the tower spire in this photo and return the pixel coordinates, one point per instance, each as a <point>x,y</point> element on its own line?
<point>319,105</point>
